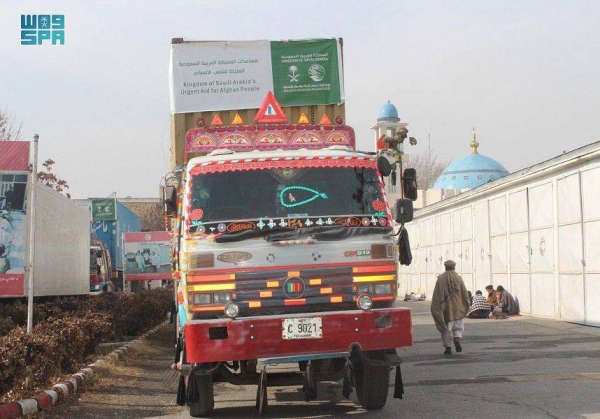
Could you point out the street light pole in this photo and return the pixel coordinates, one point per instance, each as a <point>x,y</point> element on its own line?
<point>31,232</point>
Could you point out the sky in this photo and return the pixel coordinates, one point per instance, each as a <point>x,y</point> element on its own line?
<point>524,74</point>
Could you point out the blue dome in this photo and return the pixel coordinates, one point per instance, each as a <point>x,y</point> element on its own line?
<point>469,172</point>
<point>388,113</point>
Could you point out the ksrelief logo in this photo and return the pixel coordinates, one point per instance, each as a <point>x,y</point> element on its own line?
<point>316,72</point>
<point>35,29</point>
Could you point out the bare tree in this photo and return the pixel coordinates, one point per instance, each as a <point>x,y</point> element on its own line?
<point>51,180</point>
<point>428,166</point>
<point>9,128</point>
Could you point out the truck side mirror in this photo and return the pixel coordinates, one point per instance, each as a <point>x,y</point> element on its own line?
<point>384,166</point>
<point>403,212</point>
<point>409,184</point>
<point>169,198</point>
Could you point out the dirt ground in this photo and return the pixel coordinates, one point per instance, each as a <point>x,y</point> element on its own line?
<point>139,384</point>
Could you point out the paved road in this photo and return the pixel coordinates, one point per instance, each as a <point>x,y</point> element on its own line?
<point>513,368</point>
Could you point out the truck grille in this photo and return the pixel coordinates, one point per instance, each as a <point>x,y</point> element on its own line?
<point>260,292</point>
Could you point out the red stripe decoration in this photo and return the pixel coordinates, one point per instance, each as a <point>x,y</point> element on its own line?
<point>277,163</point>
<point>373,269</point>
<point>382,297</point>
<point>299,302</point>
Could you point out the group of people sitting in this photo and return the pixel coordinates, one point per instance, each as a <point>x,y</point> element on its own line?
<point>499,303</point>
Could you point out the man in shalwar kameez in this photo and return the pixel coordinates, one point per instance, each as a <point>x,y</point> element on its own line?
<point>449,305</point>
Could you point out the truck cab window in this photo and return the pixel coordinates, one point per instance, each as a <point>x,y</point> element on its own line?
<point>272,193</point>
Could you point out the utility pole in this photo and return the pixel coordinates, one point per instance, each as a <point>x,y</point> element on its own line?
<point>31,232</point>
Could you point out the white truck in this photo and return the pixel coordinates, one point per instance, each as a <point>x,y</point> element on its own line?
<point>61,260</point>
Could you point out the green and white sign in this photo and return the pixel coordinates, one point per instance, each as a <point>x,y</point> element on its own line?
<point>306,72</point>
<point>104,209</point>
<point>224,75</point>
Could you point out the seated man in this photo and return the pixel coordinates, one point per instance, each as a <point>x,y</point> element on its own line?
<point>506,303</point>
<point>492,298</point>
<point>480,308</point>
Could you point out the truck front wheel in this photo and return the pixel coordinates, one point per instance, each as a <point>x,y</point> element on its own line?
<point>372,382</point>
<point>206,399</point>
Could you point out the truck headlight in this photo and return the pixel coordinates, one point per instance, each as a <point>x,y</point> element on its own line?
<point>221,297</point>
<point>232,310</point>
<point>364,302</point>
<point>201,299</point>
<point>364,289</point>
<point>381,289</point>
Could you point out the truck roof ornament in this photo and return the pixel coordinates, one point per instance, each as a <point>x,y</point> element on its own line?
<point>216,120</point>
<point>237,120</point>
<point>270,111</point>
<point>271,132</point>
<point>268,137</point>
<point>324,120</point>
<point>303,119</point>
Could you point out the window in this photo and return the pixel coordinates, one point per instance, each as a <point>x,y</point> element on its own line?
<point>12,191</point>
<point>283,193</point>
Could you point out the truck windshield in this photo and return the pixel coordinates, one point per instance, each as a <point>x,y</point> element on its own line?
<point>286,193</point>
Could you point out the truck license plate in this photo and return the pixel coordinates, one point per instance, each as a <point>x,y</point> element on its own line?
<point>302,328</point>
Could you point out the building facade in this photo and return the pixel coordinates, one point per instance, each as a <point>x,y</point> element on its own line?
<point>534,232</point>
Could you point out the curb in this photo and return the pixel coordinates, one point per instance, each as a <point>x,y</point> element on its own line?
<point>63,389</point>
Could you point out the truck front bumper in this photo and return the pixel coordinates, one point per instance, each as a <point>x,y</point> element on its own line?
<point>261,337</point>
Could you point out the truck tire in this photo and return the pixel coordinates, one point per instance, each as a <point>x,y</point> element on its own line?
<point>206,400</point>
<point>372,382</point>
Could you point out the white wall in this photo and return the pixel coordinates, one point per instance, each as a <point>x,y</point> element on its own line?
<point>534,232</point>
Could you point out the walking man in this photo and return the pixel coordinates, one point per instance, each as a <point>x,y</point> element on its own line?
<point>449,305</point>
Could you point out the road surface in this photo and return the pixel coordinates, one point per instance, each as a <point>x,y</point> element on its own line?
<point>513,368</point>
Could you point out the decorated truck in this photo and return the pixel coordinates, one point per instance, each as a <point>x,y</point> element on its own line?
<point>283,241</point>
<point>110,219</point>
<point>100,267</point>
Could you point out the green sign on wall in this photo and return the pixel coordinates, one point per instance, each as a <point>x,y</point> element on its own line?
<point>104,209</point>
<point>306,72</point>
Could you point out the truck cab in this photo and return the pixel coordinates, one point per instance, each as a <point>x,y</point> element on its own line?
<point>100,268</point>
<point>284,252</point>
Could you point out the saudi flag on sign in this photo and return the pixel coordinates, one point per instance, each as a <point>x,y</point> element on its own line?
<point>220,75</point>
<point>104,209</point>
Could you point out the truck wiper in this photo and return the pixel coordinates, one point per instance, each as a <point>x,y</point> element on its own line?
<point>249,234</point>
<point>327,233</point>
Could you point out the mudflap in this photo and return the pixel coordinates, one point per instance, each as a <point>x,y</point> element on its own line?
<point>391,359</point>
<point>348,383</point>
<point>262,400</point>
<point>310,383</point>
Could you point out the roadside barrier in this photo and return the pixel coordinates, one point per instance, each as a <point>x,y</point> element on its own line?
<point>66,388</point>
